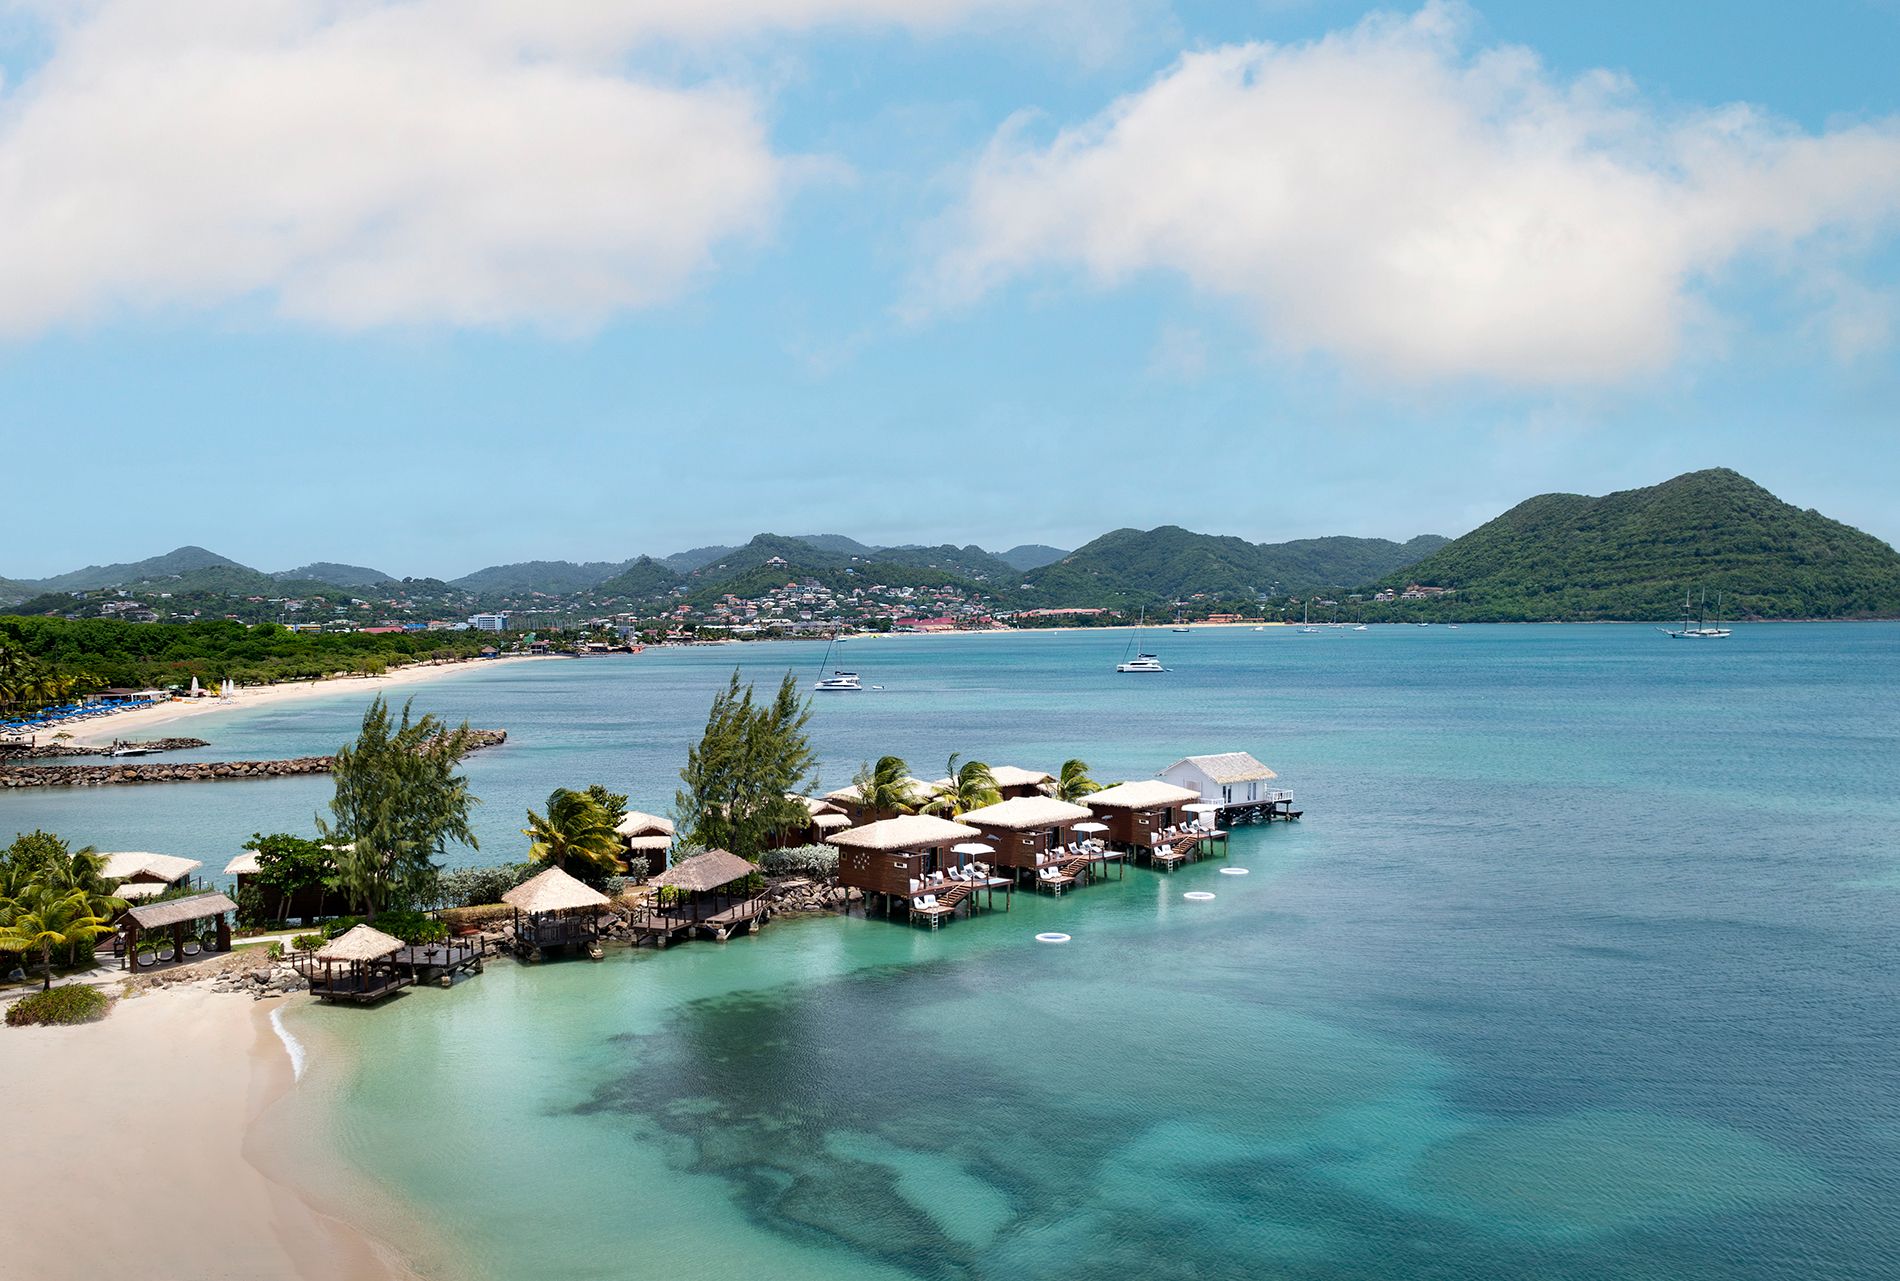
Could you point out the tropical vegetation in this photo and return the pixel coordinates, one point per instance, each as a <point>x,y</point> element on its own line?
<point>399,803</point>
<point>44,882</point>
<point>885,786</point>
<point>737,786</point>
<point>289,868</point>
<point>1073,782</point>
<point>577,835</point>
<point>967,785</point>
<point>67,1004</point>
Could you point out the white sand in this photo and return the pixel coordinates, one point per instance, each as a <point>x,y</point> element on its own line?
<point>170,719</point>
<point>128,1143</point>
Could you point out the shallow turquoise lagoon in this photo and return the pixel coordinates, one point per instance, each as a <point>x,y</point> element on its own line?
<point>1582,964</point>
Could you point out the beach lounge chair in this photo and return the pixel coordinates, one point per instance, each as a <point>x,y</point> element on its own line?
<point>165,952</point>
<point>191,947</point>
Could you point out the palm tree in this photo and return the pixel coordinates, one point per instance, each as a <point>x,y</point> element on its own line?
<point>1073,783</point>
<point>969,785</point>
<point>80,872</point>
<point>884,786</point>
<point>43,919</point>
<point>577,828</point>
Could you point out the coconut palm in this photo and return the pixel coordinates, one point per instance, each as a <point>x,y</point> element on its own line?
<point>967,785</point>
<point>575,828</point>
<point>1073,782</point>
<point>885,786</point>
<point>82,872</point>
<point>42,919</point>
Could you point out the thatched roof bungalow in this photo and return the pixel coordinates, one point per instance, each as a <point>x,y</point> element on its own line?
<point>893,855</point>
<point>648,837</point>
<point>358,965</point>
<point>1026,830</point>
<point>136,870</point>
<point>1135,812</point>
<point>849,800</point>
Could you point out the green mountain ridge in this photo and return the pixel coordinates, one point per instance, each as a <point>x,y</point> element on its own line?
<point>1634,553</point>
<point>335,574</point>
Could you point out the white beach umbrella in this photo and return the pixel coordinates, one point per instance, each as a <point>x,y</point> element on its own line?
<point>972,849</point>
<point>194,687</point>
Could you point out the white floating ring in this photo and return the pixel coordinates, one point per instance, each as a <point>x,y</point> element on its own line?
<point>1197,896</point>
<point>1233,871</point>
<point>1052,937</point>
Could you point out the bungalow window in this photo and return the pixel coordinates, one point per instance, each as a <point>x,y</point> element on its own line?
<point>1227,795</point>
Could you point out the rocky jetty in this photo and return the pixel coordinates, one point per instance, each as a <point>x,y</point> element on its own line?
<point>185,771</point>
<point>46,751</point>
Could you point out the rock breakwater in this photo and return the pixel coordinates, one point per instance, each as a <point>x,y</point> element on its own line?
<point>186,771</point>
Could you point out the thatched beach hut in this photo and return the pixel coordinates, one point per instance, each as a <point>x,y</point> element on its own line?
<point>358,965</point>
<point>553,909</point>
<point>1137,812</point>
<point>1028,832</point>
<point>145,875</point>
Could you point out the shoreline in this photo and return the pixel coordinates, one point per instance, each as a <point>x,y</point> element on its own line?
<point>141,720</point>
<point>170,1149</point>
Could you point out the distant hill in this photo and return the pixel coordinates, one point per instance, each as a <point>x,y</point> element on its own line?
<point>644,579</point>
<point>1633,554</point>
<point>1031,556</point>
<point>1133,566</point>
<point>548,577</point>
<point>329,571</point>
<point>837,543</point>
<point>12,593</point>
<point>183,560</point>
<point>694,558</point>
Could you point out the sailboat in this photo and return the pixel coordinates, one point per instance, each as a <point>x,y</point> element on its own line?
<point>1142,661</point>
<point>1180,624</point>
<point>1702,629</point>
<point>1306,622</point>
<point>839,681</point>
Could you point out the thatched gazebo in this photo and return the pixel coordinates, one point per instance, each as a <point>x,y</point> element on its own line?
<point>176,915</point>
<point>553,909</point>
<point>701,890</point>
<point>359,965</point>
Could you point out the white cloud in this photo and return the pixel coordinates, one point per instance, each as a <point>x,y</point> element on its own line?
<point>1423,211</point>
<point>367,162</point>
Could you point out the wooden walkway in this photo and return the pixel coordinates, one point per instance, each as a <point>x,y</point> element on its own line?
<point>441,962</point>
<point>661,927</point>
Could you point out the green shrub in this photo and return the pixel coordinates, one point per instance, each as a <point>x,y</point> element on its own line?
<point>307,942</point>
<point>478,886</point>
<point>73,1003</point>
<point>410,927</point>
<point>802,860</point>
<point>274,949</point>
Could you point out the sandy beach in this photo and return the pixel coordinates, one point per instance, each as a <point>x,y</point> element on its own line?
<point>132,1140</point>
<point>176,717</point>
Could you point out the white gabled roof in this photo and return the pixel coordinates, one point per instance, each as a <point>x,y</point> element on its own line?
<point>166,867</point>
<point>1227,767</point>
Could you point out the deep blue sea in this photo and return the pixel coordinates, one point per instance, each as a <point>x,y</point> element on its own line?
<point>1582,964</point>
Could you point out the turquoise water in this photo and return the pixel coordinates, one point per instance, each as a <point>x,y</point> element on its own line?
<point>1581,965</point>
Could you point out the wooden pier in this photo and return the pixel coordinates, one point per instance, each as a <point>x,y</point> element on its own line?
<point>661,926</point>
<point>441,963</point>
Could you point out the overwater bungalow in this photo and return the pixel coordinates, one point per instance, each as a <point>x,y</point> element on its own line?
<point>358,966</point>
<point>648,838</point>
<point>554,910</point>
<point>174,929</point>
<point>706,894</point>
<point>848,800</point>
<point>913,860</point>
<point>1236,784</point>
<point>142,875</point>
<point>1035,838</point>
<point>1140,816</point>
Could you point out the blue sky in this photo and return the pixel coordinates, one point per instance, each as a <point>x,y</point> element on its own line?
<point>426,290</point>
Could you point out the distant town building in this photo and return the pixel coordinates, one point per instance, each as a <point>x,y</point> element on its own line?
<point>488,622</point>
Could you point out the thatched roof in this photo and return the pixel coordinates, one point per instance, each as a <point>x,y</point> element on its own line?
<point>130,890</point>
<point>1141,795</point>
<point>1010,776</point>
<point>553,891</point>
<point>1227,767</point>
<point>814,806</point>
<point>176,910</point>
<point>828,821</point>
<point>648,844</point>
<point>360,943</point>
<point>243,865</point>
<point>905,832</point>
<point>915,788</point>
<point>1025,812</point>
<point>163,867</point>
<point>635,823</point>
<point>703,872</point>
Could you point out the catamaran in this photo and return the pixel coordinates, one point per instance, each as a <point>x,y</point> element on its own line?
<point>838,681</point>
<point>1142,661</point>
<point>1702,629</point>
